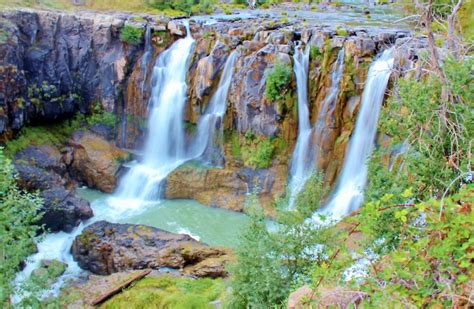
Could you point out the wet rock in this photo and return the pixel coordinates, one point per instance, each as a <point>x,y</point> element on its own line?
<point>104,248</point>
<point>62,210</point>
<point>208,68</point>
<point>226,188</point>
<point>176,28</point>
<point>95,160</point>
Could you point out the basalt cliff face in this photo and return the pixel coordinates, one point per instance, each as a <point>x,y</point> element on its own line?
<point>56,64</point>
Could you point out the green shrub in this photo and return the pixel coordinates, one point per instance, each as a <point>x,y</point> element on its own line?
<point>278,80</point>
<point>18,213</point>
<point>257,151</point>
<point>131,35</point>
<point>270,264</point>
<point>315,53</point>
<point>341,31</point>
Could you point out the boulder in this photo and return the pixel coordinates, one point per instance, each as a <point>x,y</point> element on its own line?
<point>333,297</point>
<point>42,168</point>
<point>104,248</point>
<point>62,210</point>
<point>95,160</point>
<point>226,188</point>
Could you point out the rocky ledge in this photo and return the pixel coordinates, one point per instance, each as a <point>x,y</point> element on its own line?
<point>104,248</point>
<point>86,159</point>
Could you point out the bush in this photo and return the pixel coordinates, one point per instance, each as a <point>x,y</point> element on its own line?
<point>257,151</point>
<point>278,80</point>
<point>131,35</point>
<point>270,264</point>
<point>18,213</point>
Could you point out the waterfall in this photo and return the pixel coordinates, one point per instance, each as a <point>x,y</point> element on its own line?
<point>349,192</point>
<point>146,56</point>
<point>165,144</point>
<point>328,106</point>
<point>302,160</point>
<point>210,127</point>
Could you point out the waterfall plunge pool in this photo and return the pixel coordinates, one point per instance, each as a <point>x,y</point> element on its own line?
<point>213,226</point>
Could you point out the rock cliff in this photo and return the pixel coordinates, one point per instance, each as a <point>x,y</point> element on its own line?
<point>55,64</point>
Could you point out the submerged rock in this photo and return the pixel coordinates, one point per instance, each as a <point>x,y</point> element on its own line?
<point>104,248</point>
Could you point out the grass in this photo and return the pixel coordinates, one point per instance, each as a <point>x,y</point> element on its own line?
<point>169,292</point>
<point>138,6</point>
<point>57,133</point>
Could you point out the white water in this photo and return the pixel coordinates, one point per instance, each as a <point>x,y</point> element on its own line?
<point>165,150</point>
<point>305,153</point>
<point>302,160</point>
<point>329,104</point>
<point>165,144</point>
<point>349,192</point>
<point>207,145</point>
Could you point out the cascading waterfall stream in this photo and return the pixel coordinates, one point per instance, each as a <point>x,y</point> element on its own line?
<point>210,125</point>
<point>349,192</point>
<point>165,144</point>
<point>302,161</point>
<point>329,104</point>
<point>305,153</point>
<point>164,152</point>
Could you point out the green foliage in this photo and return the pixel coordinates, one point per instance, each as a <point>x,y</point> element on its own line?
<point>315,53</point>
<point>278,81</point>
<point>256,151</point>
<point>438,131</point>
<point>341,31</point>
<point>18,213</point>
<point>189,7</point>
<point>169,292</point>
<point>271,262</point>
<point>58,133</point>
<point>432,262</point>
<point>99,115</point>
<point>131,35</point>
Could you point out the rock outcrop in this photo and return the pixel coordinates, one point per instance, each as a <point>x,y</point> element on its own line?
<point>88,158</point>
<point>42,168</point>
<point>95,161</point>
<point>228,187</point>
<point>104,248</point>
<point>54,64</point>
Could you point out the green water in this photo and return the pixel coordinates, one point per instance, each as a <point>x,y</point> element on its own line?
<point>214,226</point>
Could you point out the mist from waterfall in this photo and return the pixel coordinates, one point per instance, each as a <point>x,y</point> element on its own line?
<point>207,145</point>
<point>349,193</point>
<point>165,143</point>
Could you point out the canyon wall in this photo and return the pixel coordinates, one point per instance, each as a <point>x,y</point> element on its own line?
<point>56,64</point>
